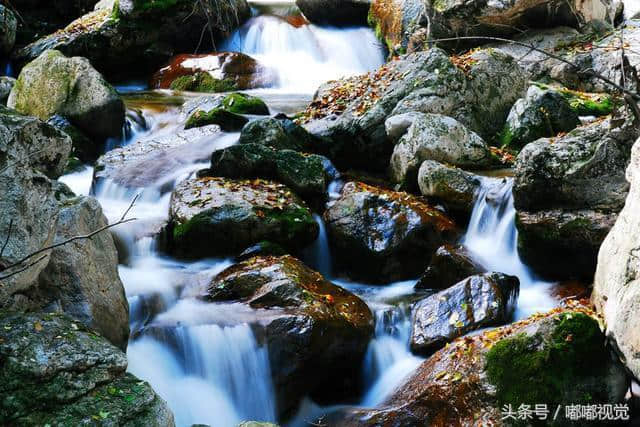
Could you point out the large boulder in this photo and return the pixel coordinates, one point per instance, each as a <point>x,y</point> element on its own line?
<point>312,326</point>
<point>616,293</point>
<point>6,85</point>
<point>278,132</point>
<point>568,191</point>
<point>8,26</point>
<point>308,175</point>
<point>381,235</point>
<point>449,265</point>
<point>81,278</point>
<point>217,216</point>
<point>542,113</point>
<point>227,70</point>
<point>351,113</point>
<point>452,186</point>
<point>440,138</point>
<point>474,303</point>
<point>335,12</point>
<point>57,372</point>
<point>54,84</point>
<point>141,35</point>
<point>409,24</point>
<point>558,358</point>
<point>31,153</point>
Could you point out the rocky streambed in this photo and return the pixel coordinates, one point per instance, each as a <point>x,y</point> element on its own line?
<point>290,218</point>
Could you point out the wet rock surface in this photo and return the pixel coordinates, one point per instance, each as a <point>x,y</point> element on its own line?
<point>474,303</point>
<point>383,235</point>
<point>217,216</point>
<point>319,326</point>
<point>58,372</point>
<point>449,265</point>
<point>452,186</point>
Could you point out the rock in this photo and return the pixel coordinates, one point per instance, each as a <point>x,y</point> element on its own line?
<point>308,175</point>
<point>383,236</point>
<point>317,326</point>
<point>241,103</point>
<point>215,216</point>
<point>353,122</point>
<point>81,278</point>
<point>8,26</point>
<point>335,12</point>
<point>261,249</point>
<point>140,35</point>
<point>6,84</point>
<point>469,381</point>
<point>202,82</point>
<point>71,87</point>
<point>439,138</point>
<point>542,113</point>
<point>474,303</point>
<point>31,152</point>
<point>560,244</point>
<point>58,372</point>
<point>615,291</point>
<point>228,122</point>
<point>583,169</point>
<point>452,186</point>
<point>153,159</point>
<point>237,70</point>
<point>83,148</point>
<point>403,24</point>
<point>278,132</point>
<point>449,265</point>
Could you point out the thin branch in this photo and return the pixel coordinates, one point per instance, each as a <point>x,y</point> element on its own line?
<point>26,267</point>
<point>4,246</point>
<point>591,73</point>
<point>133,202</point>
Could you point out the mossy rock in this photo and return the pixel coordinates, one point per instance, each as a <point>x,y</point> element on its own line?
<point>228,121</point>
<point>202,82</point>
<point>241,103</point>
<point>562,361</point>
<point>584,103</point>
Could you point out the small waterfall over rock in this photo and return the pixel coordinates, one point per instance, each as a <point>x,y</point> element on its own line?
<point>492,238</point>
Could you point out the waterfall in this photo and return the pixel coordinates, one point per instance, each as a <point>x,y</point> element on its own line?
<point>492,238</point>
<point>305,57</point>
<point>217,375</point>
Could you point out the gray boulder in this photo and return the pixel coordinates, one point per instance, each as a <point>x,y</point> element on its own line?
<point>476,302</point>
<point>440,138</point>
<point>616,293</point>
<point>54,84</point>
<point>350,114</point>
<point>542,113</point>
<point>82,278</point>
<point>454,187</point>
<point>8,27</point>
<point>217,216</point>
<point>381,235</point>
<point>449,265</point>
<point>57,372</point>
<point>278,132</point>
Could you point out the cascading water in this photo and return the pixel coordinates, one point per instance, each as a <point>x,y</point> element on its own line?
<point>492,238</point>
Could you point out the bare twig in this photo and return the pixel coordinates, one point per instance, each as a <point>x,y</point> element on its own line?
<point>4,246</point>
<point>589,72</point>
<point>133,202</point>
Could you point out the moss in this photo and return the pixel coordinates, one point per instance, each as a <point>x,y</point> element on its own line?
<point>154,4</point>
<point>202,82</point>
<point>228,121</point>
<point>295,220</point>
<point>547,367</point>
<point>241,103</point>
<point>582,103</point>
<point>505,137</point>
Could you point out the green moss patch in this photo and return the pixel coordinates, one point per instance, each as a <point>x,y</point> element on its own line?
<point>202,82</point>
<point>583,103</point>
<point>228,121</point>
<point>241,103</point>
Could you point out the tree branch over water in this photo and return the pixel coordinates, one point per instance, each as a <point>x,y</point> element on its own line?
<point>25,265</point>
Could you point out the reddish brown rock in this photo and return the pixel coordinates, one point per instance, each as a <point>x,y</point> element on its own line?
<point>241,69</point>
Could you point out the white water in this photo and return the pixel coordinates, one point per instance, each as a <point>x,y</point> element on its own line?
<point>492,238</point>
<point>305,57</point>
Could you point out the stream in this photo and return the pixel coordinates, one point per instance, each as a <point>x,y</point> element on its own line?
<point>203,358</point>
